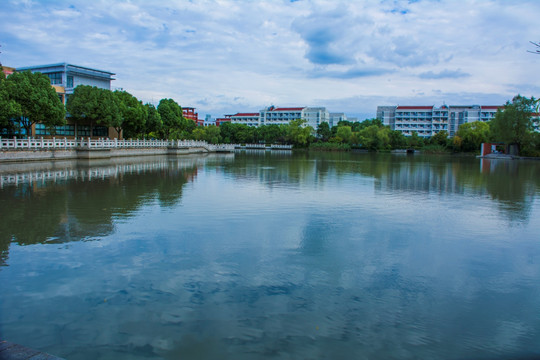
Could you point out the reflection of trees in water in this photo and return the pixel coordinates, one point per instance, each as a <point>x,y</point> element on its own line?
<point>512,184</point>
<point>75,209</point>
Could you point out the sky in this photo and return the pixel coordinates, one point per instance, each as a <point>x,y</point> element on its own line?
<point>225,56</point>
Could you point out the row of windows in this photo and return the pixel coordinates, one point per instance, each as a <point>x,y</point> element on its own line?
<point>56,79</point>
<point>69,130</point>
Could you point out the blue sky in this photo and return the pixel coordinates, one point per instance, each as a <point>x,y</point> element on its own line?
<point>227,56</point>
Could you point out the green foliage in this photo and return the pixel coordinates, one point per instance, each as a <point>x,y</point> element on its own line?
<point>440,138</point>
<point>133,115</point>
<point>414,141</point>
<point>9,108</point>
<point>272,134</point>
<point>471,136</point>
<point>153,123</point>
<point>171,116</point>
<point>344,132</point>
<point>298,134</point>
<point>31,97</point>
<point>367,123</point>
<point>514,124</point>
<point>375,137</point>
<point>397,140</point>
<point>323,131</point>
<point>92,105</point>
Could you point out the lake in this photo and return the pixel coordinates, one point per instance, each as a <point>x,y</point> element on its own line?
<point>272,255</point>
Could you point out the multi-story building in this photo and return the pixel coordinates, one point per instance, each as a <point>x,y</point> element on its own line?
<point>190,114</point>
<point>426,121</point>
<point>64,79</point>
<point>274,115</point>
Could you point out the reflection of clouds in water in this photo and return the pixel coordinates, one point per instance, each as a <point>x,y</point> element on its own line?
<point>244,270</point>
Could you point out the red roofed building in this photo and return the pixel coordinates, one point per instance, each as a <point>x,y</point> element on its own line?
<point>189,113</point>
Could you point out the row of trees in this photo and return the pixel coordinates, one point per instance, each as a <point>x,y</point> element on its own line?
<point>29,97</point>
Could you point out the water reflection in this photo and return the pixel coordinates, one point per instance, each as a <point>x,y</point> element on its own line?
<point>275,255</point>
<point>67,201</point>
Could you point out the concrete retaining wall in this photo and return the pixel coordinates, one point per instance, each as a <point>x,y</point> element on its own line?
<point>56,154</point>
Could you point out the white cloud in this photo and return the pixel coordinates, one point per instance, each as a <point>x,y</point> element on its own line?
<point>224,56</point>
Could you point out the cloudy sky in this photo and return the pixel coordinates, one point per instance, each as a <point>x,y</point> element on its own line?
<point>228,56</point>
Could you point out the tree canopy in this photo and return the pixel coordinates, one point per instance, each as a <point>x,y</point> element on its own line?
<point>514,124</point>
<point>30,98</point>
<point>92,105</point>
<point>133,114</point>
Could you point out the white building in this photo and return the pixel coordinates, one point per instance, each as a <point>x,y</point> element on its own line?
<point>426,121</point>
<point>274,115</point>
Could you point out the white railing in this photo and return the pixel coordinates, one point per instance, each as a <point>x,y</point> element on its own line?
<point>64,143</point>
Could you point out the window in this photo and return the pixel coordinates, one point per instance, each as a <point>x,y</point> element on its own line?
<point>65,130</point>
<point>41,129</point>
<point>100,131</point>
<point>83,130</point>
<point>69,81</point>
<point>55,77</point>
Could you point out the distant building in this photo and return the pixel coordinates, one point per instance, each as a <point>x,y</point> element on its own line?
<point>189,113</point>
<point>426,121</point>
<point>335,118</point>
<point>277,116</point>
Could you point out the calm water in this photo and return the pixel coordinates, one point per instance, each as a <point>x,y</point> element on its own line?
<point>272,256</point>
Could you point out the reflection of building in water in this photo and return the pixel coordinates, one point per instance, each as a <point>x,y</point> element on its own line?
<point>73,171</point>
<point>414,177</point>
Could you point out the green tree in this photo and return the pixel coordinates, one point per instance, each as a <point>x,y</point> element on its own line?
<point>397,140</point>
<point>31,96</point>
<point>93,106</point>
<point>440,138</point>
<point>9,109</point>
<point>375,137</point>
<point>298,133</point>
<point>323,131</point>
<point>133,115</point>
<point>514,124</point>
<point>212,134</point>
<point>171,115</point>
<point>153,123</point>
<point>344,132</point>
<point>472,135</point>
<point>415,141</point>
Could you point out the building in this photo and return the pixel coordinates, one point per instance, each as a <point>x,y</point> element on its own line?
<point>8,70</point>
<point>64,79</point>
<point>427,121</point>
<point>279,116</point>
<point>189,113</point>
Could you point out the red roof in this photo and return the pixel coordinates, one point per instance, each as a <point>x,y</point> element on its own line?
<point>414,107</point>
<point>288,109</point>
<point>246,114</point>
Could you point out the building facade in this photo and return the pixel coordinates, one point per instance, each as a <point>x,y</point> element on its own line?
<point>64,79</point>
<point>427,121</point>
<point>279,116</point>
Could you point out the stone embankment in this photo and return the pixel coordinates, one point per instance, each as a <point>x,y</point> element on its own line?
<point>63,149</point>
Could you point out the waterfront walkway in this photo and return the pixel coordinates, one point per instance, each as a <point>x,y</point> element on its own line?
<point>87,143</point>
